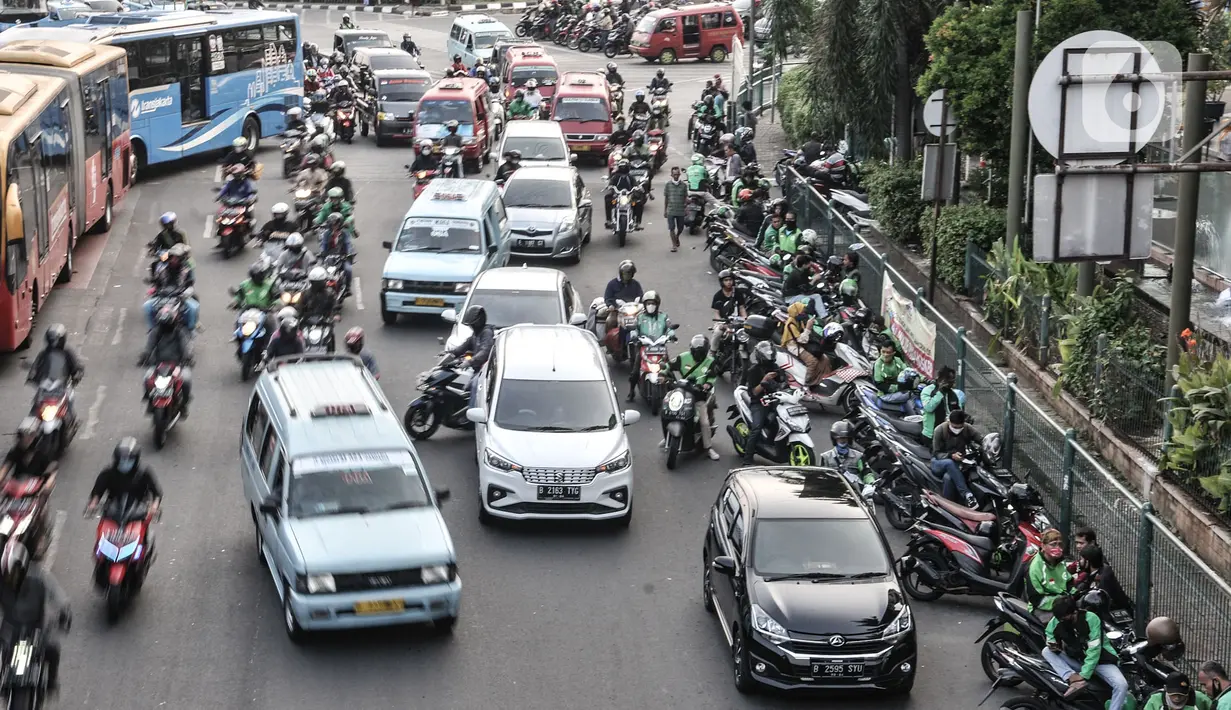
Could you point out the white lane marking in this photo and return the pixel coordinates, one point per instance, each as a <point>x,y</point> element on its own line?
<point>57,528</point>
<point>357,287</point>
<point>218,174</point>
<point>208,233</point>
<point>119,327</point>
<point>141,264</point>
<point>91,422</point>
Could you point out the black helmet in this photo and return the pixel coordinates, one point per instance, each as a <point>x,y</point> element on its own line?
<point>627,270</point>
<point>127,455</point>
<point>475,317</point>
<point>457,57</point>
<point>256,272</point>
<point>334,219</point>
<point>841,429</point>
<point>56,335</point>
<point>661,73</point>
<point>699,347</point>
<point>726,274</point>
<point>288,325</point>
<point>14,563</point>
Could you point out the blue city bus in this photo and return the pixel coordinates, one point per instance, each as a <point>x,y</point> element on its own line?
<point>197,80</point>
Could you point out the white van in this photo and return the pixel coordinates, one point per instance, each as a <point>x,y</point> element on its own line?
<point>474,37</point>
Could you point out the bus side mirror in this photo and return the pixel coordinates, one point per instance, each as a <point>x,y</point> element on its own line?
<point>14,226</point>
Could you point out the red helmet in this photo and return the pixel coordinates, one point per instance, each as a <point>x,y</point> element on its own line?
<point>354,339</point>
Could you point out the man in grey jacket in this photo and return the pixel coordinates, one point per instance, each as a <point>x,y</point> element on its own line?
<point>675,205</point>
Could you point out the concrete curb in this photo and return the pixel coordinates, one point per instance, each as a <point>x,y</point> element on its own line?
<point>408,11</point>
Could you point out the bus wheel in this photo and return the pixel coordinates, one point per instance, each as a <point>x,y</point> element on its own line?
<point>66,272</point>
<point>141,162</point>
<point>104,225</point>
<point>252,133</point>
<point>33,317</point>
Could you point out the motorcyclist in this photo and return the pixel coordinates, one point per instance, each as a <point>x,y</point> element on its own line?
<point>622,180</point>
<point>748,180</point>
<point>25,460</point>
<point>452,139</point>
<point>294,255</point>
<point>949,444</point>
<point>347,23</point>
<point>25,596</point>
<point>1078,648</point>
<point>1097,573</point>
<point>169,235</point>
<point>510,165</point>
<point>238,155</point>
<point>286,340</point>
<point>238,186</point>
<point>56,361</point>
<point>639,104</point>
<point>533,97</point>
<point>660,81</point>
<point>1214,681</point>
<point>940,398</point>
<point>335,202</point>
<point>312,178</point>
<point>168,342</point>
<point>354,346</point>
<point>424,158</point>
<point>479,345</point>
<point>341,93</point>
<point>1048,578</point>
<point>337,239</point>
<point>697,365</point>
<point>126,477</point>
<point>458,65</point>
<point>743,144</point>
<point>256,291</point>
<point>762,377</point>
<point>279,222</point>
<point>651,323</point>
<point>319,108</point>
<point>605,21</point>
<point>519,107</point>
<point>751,214</point>
<point>698,176</point>
<point>843,457</point>
<point>620,135</point>
<point>174,273</point>
<point>409,46</point>
<point>785,239</point>
<point>1178,694</point>
<point>886,372</point>
<point>637,148</point>
<point>613,75</point>
<point>624,287</point>
<point>311,82</point>
<point>318,301</point>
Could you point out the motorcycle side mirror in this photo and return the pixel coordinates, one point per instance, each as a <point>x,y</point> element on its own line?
<point>585,203</point>
<point>449,315</point>
<point>674,326</point>
<point>387,245</point>
<point>443,494</point>
<point>724,565</point>
<point>491,248</point>
<point>631,417</point>
<point>577,319</point>
<point>476,415</point>
<point>270,506</point>
<point>572,158</point>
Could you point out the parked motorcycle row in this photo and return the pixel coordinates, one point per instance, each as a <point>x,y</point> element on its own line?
<point>576,26</point>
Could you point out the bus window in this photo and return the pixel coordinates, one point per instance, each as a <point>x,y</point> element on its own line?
<point>250,48</point>
<point>55,149</point>
<point>154,65</point>
<point>93,103</point>
<point>190,68</point>
<point>21,172</point>
<point>282,36</point>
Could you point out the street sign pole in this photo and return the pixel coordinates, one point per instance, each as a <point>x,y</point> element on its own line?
<point>1020,131</point>
<point>937,192</point>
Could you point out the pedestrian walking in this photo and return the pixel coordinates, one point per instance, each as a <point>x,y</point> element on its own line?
<point>675,204</point>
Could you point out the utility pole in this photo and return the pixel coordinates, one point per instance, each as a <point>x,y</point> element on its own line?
<point>1186,213</point>
<point>1019,136</point>
<point>752,46</point>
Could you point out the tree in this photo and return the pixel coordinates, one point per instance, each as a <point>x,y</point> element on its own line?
<point>972,51</point>
<point>790,23</point>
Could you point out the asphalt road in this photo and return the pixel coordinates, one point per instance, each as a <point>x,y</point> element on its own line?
<point>552,617</point>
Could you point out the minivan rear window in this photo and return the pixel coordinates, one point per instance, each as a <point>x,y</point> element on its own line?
<point>402,89</point>
<point>581,108</point>
<point>545,76</point>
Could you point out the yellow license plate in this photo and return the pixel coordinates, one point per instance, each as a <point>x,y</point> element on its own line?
<point>581,148</point>
<point>384,606</point>
<point>437,302</point>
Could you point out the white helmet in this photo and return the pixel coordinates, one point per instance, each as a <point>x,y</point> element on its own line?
<point>532,84</point>
<point>280,210</point>
<point>318,275</point>
<point>286,313</point>
<point>294,112</point>
<point>425,144</point>
<point>294,242</point>
<point>321,140</point>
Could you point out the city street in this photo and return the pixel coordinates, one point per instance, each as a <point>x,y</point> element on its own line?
<point>553,617</point>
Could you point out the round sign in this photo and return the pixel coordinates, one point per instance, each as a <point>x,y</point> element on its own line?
<point>931,114</point>
<point>1098,116</point>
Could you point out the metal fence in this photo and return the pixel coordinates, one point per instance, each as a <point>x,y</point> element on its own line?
<point>1163,576</point>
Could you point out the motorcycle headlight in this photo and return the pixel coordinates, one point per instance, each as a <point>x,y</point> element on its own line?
<point>162,382</point>
<point>653,367</point>
<point>898,626</point>
<point>49,412</point>
<point>382,116</point>
<point>618,463</point>
<point>248,328</point>
<point>436,574</point>
<point>303,193</point>
<point>623,199</point>
<point>499,462</point>
<point>393,284</point>
<point>315,335</point>
<point>675,400</point>
<point>768,626</point>
<point>463,287</point>
<point>316,584</point>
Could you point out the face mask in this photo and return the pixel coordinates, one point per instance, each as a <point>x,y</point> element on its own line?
<point>842,449</point>
<point>955,429</point>
<point>125,465</point>
<point>1176,703</point>
<point>675,179</point>
<point>790,224</point>
<point>651,309</point>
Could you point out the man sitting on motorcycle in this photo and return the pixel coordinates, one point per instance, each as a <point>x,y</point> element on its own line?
<point>762,377</point>
<point>1078,649</point>
<point>257,291</point>
<point>621,180</point>
<point>1098,574</point>
<point>168,236</point>
<point>479,345</point>
<point>519,107</point>
<point>619,135</point>
<point>424,158</point>
<point>698,176</point>
<point>237,186</point>
<point>238,155</point>
<point>533,97</point>
<point>1178,694</point>
<point>168,342</point>
<point>280,222</point>
<point>949,444</point>
<point>843,457</point>
<point>613,75</point>
<point>510,165</point>
<point>341,93</point>
<point>311,83</point>
<point>335,202</point>
<point>336,239</point>
<point>751,214</point>
<point>886,372</point>
<point>409,46</point>
<point>458,65</point>
<point>940,399</point>
<point>25,460</point>
<point>126,478</point>
<point>312,178</point>
<point>56,361</point>
<point>697,365</point>
<point>174,273</point>
<point>743,144</point>
<point>354,346</point>
<point>286,340</point>
<point>622,288</point>
<point>605,20</point>
<point>749,179</point>
<point>347,23</point>
<point>652,323</point>
<point>294,255</point>
<point>639,104</point>
<point>25,598</point>
<point>452,138</point>
<point>660,81</point>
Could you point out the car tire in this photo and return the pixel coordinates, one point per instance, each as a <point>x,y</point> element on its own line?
<point>741,666</point>
<point>904,688</point>
<point>294,631</point>
<point>707,585</point>
<point>388,317</point>
<point>486,519</point>
<point>260,544</point>
<point>445,626</point>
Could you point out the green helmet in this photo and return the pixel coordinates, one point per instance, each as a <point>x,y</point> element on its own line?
<point>697,158</point>
<point>849,287</point>
<point>335,193</point>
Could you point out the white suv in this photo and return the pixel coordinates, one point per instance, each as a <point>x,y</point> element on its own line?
<point>550,433</point>
<point>540,143</point>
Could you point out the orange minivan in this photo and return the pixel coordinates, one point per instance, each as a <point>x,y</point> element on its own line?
<point>690,32</point>
<point>461,99</point>
<point>582,107</point>
<point>526,64</point>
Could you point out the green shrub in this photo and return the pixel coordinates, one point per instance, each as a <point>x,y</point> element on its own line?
<point>982,224</point>
<point>1198,450</point>
<point>802,108</point>
<point>893,191</point>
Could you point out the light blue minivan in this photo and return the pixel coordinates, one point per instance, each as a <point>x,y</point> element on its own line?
<point>454,231</point>
<point>346,520</point>
<point>475,36</point>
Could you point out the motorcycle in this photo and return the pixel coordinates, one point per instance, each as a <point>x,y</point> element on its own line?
<point>705,138</point>
<point>617,99</point>
<point>122,553</point>
<point>622,216</point>
<point>906,483</point>
<point>617,44</point>
<point>731,355</point>
<point>251,336</point>
<point>639,170</point>
<point>1145,677</point>
<point>291,286</point>
<point>165,399</point>
<point>318,335</point>
<point>594,38</point>
<point>653,365</point>
<point>837,392</point>
<point>233,224</point>
<point>423,178</point>
<point>660,110</point>
<point>694,211</point>
<point>52,406</point>
<point>24,680</point>
<point>335,276</point>
<point>344,120</point>
<point>784,438</point>
<point>626,323</point>
<point>640,122</point>
<point>680,420</point>
<point>307,203</point>
<point>293,146</point>
<point>451,163</point>
<point>656,141</point>
<point>444,400</point>
<point>23,514</point>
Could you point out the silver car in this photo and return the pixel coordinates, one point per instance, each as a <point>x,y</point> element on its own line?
<point>550,212</point>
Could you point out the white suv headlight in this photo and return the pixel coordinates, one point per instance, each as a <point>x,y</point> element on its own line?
<point>435,574</point>
<point>619,463</point>
<point>321,583</point>
<point>393,284</point>
<point>501,463</point>
<point>768,626</point>
<point>900,625</point>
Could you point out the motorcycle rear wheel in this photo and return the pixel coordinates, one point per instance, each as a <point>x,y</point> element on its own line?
<point>421,422</point>
<point>161,420</point>
<point>911,580</point>
<point>584,45</point>
<point>991,668</point>
<point>611,51</point>
<point>23,699</point>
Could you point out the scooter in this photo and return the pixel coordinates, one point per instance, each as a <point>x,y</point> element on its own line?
<point>165,399</point>
<point>307,203</point>
<point>680,420</point>
<point>292,153</point>
<point>444,400</point>
<point>622,215</point>
<point>784,439</point>
<point>451,163</point>
<point>23,513</point>
<point>318,335</point>
<point>941,561</point>
<point>251,336</point>
<point>344,119</point>
<point>53,407</point>
<point>653,365</point>
<point>233,224</point>
<point>837,392</point>
<point>122,553</point>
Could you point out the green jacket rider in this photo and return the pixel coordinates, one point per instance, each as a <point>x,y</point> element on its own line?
<point>1095,649</point>
<point>885,373</point>
<point>697,175</point>
<point>1200,701</point>
<point>1048,578</point>
<point>520,107</point>
<point>652,326</point>
<point>700,374</point>
<point>335,203</point>
<point>257,291</point>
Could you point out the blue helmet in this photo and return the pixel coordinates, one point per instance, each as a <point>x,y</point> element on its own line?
<point>167,219</point>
